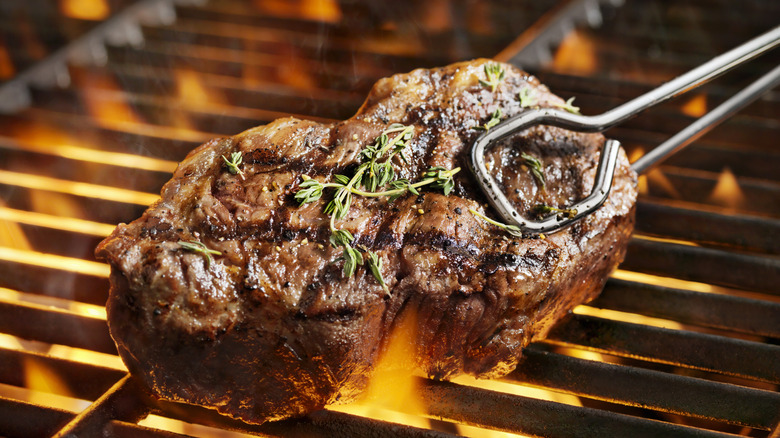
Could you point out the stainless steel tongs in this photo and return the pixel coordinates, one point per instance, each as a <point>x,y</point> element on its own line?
<point>604,121</point>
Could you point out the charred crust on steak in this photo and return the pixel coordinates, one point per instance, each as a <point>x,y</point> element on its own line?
<point>272,328</point>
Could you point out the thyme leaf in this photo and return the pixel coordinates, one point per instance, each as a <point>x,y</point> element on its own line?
<point>311,190</point>
<point>535,165</point>
<point>236,158</point>
<point>495,118</point>
<point>377,176</point>
<point>375,265</point>
<point>568,106</point>
<point>199,247</point>
<point>527,97</point>
<point>494,74</point>
<point>513,230</point>
<point>542,210</point>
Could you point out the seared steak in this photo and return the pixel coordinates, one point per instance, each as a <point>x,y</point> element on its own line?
<point>272,327</point>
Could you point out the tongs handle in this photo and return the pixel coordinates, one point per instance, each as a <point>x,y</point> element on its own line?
<point>598,123</point>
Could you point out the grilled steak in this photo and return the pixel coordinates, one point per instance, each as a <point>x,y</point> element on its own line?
<point>272,327</point>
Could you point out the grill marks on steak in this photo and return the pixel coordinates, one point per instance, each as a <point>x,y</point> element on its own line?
<point>272,328</point>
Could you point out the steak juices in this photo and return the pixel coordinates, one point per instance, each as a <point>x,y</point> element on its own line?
<point>231,293</point>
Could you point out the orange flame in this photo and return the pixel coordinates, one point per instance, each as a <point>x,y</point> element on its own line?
<point>392,394</point>
<point>658,180</point>
<point>109,109</point>
<point>576,54</point>
<point>11,234</point>
<point>727,192</point>
<point>85,9</point>
<point>7,69</point>
<point>327,11</point>
<point>696,106</point>
<point>192,91</point>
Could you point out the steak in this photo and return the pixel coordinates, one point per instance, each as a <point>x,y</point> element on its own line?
<point>228,293</point>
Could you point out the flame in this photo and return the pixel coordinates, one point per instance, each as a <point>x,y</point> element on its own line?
<point>193,92</point>
<point>696,106</point>
<point>392,394</point>
<point>11,234</point>
<point>327,11</point>
<point>104,107</point>
<point>40,377</point>
<point>435,16</point>
<point>295,73</point>
<point>658,180</point>
<point>85,9</point>
<point>45,139</point>
<point>7,69</point>
<point>43,387</point>
<point>634,155</point>
<point>727,192</point>
<point>576,54</point>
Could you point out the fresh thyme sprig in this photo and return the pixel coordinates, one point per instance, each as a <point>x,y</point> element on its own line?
<point>232,164</point>
<point>495,118</point>
<point>527,97</point>
<point>542,210</point>
<point>311,189</point>
<point>375,266</point>
<point>372,175</point>
<point>494,74</point>
<point>513,230</point>
<point>379,174</point>
<point>200,247</point>
<point>568,106</point>
<point>535,165</point>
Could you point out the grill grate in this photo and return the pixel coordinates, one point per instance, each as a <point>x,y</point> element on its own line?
<point>682,342</point>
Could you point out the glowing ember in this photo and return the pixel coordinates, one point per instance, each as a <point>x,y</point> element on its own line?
<point>576,54</point>
<point>85,9</point>
<point>696,106</point>
<point>727,192</point>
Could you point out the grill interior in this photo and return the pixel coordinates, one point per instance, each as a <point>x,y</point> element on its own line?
<point>682,342</point>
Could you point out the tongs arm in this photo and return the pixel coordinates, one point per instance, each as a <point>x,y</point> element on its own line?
<point>598,123</point>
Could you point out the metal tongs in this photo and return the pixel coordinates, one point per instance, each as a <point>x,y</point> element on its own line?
<point>604,121</point>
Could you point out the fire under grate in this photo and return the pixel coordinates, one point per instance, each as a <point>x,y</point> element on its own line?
<point>684,340</point>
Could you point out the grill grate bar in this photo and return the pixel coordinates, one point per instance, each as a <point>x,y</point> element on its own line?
<point>124,401</point>
<point>542,418</point>
<point>55,326</point>
<point>19,419</point>
<point>715,266</point>
<point>85,381</point>
<point>650,389</point>
<point>727,312</point>
<point>751,360</point>
<point>746,232</point>
<point>323,423</point>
